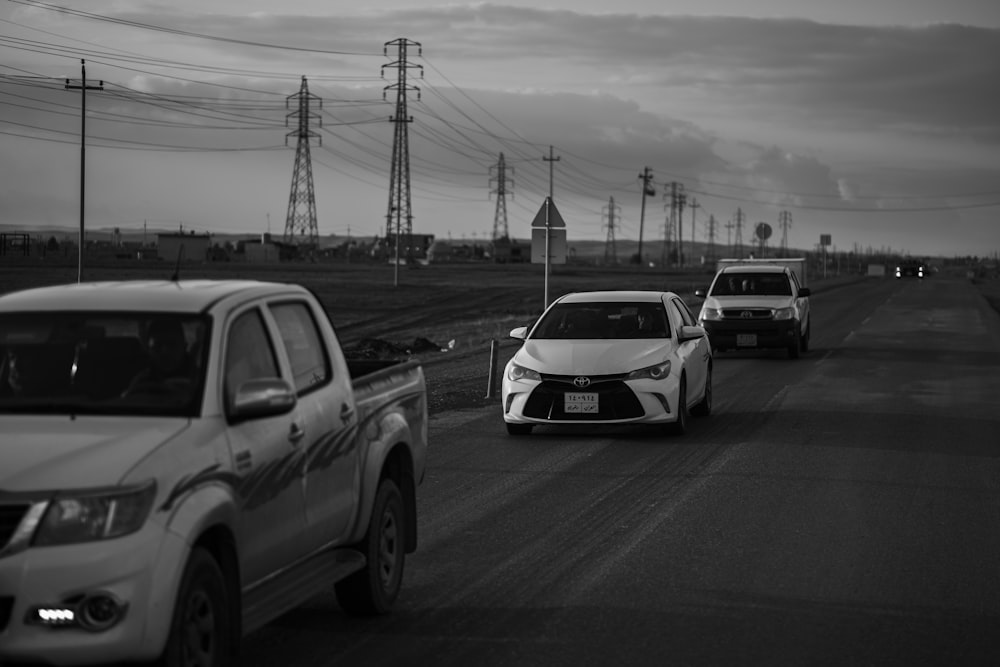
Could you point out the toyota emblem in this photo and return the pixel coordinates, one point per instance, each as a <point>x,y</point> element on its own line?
<point>746,314</point>
<point>581,382</point>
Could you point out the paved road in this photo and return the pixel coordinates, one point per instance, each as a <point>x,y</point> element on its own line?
<point>839,509</point>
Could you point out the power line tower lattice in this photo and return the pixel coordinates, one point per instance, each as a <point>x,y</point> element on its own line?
<point>610,252</point>
<point>504,185</point>
<point>399,217</point>
<point>300,224</point>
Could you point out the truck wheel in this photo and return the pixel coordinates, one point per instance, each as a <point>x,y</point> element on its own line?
<point>679,427</point>
<point>373,589</point>
<point>796,345</point>
<point>200,631</point>
<point>518,429</point>
<point>805,338</point>
<point>704,407</point>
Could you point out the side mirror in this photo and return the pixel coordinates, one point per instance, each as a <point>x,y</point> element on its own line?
<point>688,332</point>
<point>804,291</point>
<point>520,333</point>
<point>261,398</point>
<point>701,292</point>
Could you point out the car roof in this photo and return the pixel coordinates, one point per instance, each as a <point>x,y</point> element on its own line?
<point>755,268</point>
<point>191,296</point>
<point>650,296</point>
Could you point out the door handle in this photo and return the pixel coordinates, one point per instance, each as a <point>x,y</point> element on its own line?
<point>295,433</point>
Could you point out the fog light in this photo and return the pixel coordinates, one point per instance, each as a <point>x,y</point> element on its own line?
<point>54,616</point>
<point>99,611</point>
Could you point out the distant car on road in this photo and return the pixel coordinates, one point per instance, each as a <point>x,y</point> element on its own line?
<point>609,357</point>
<point>910,268</point>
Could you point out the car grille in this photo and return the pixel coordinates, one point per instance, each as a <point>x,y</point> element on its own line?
<point>6,605</point>
<point>614,399</point>
<point>747,314</point>
<point>10,519</point>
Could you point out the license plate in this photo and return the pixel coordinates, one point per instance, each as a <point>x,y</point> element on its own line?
<point>580,403</point>
<point>746,340</point>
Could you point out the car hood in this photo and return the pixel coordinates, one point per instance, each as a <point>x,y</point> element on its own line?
<point>46,453</point>
<point>591,357</point>
<point>748,301</point>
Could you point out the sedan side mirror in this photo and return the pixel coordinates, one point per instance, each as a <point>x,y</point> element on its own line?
<point>701,292</point>
<point>520,333</point>
<point>688,332</point>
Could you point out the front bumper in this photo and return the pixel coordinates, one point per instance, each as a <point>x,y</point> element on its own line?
<point>137,570</point>
<point>618,401</point>
<point>742,334</point>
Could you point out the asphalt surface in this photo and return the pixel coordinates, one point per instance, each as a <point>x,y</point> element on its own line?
<point>838,509</point>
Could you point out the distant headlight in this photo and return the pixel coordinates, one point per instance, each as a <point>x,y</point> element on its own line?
<point>86,517</point>
<point>657,372</point>
<point>784,313</point>
<point>516,372</point>
<point>710,314</point>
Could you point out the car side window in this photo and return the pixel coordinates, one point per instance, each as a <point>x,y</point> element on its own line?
<point>249,353</point>
<point>685,313</point>
<point>303,345</point>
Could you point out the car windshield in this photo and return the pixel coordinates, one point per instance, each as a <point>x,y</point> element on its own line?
<point>763,284</point>
<point>121,363</point>
<point>603,321</point>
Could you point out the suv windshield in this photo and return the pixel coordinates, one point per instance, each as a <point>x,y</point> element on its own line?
<point>751,284</point>
<point>603,320</point>
<point>123,363</point>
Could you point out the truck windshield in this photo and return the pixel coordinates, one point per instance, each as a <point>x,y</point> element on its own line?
<point>122,363</point>
<point>730,284</point>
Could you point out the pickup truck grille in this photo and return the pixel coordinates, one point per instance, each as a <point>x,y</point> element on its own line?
<point>747,314</point>
<point>10,519</point>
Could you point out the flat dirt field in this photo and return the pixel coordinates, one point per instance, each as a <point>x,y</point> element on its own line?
<point>445,315</point>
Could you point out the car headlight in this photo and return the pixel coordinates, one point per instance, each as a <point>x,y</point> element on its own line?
<point>784,313</point>
<point>517,372</point>
<point>657,372</point>
<point>89,517</point>
<point>710,314</point>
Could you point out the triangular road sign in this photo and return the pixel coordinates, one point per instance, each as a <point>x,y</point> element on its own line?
<point>554,219</point>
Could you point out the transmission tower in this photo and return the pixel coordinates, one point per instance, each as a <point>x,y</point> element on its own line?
<point>610,251</point>
<point>300,223</point>
<point>785,221</point>
<point>739,232</point>
<point>711,237</point>
<point>504,186</point>
<point>399,218</point>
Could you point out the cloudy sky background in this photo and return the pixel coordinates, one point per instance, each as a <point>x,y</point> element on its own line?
<point>874,121</point>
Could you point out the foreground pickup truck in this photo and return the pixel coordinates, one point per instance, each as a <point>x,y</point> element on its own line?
<point>182,462</point>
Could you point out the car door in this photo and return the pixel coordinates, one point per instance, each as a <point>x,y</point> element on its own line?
<point>694,353</point>
<point>326,418</point>
<point>267,458</point>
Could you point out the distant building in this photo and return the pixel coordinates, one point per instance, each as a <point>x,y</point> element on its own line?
<point>187,246</point>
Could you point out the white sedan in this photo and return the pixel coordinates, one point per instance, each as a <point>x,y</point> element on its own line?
<point>611,357</point>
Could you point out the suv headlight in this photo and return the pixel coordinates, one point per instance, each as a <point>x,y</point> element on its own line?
<point>657,372</point>
<point>101,515</point>
<point>516,372</point>
<point>784,313</point>
<point>710,314</point>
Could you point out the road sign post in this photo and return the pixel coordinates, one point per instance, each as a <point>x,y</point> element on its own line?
<point>548,240</point>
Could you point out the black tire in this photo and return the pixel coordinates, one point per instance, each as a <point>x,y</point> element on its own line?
<point>518,429</point>
<point>805,338</point>
<point>704,407</point>
<point>201,632</point>
<point>795,348</point>
<point>680,426</point>
<point>373,589</point>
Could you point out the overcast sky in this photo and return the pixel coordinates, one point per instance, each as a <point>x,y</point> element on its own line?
<point>874,121</point>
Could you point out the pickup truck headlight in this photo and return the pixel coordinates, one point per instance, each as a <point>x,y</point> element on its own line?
<point>88,517</point>
<point>516,372</point>
<point>657,372</point>
<point>784,313</point>
<point>710,314</point>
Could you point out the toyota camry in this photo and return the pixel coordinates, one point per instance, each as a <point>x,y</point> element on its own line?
<point>610,357</point>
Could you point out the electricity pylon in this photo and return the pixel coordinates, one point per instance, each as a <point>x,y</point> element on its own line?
<point>610,252</point>
<point>503,187</point>
<point>300,223</point>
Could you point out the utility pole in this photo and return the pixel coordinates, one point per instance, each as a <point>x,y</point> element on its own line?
<point>647,190</point>
<point>785,220</point>
<point>694,205</point>
<point>729,237</point>
<point>400,207</point>
<point>83,88</point>
<point>711,238</point>
<point>301,228</point>
<point>551,160</point>
<point>609,245</point>
<point>681,201</point>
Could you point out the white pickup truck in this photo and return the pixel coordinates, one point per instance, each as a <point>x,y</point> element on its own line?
<point>758,304</point>
<point>182,462</point>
